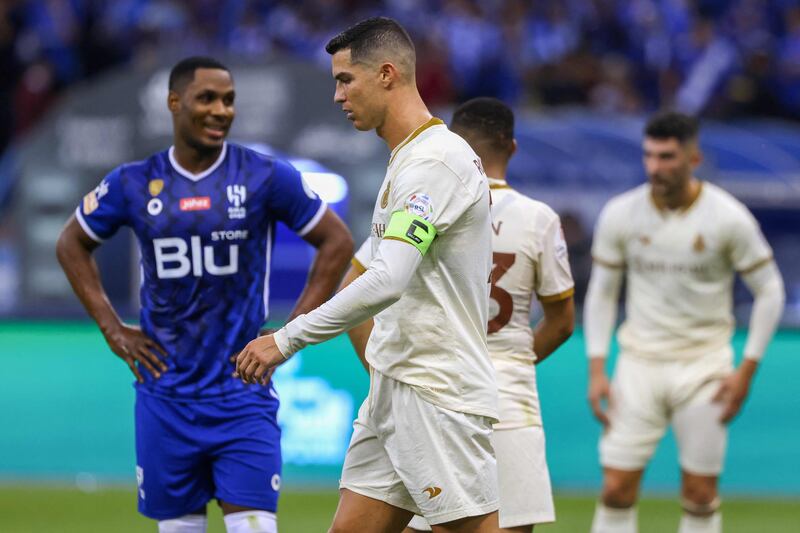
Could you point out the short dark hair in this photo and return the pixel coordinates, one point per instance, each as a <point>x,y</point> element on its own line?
<point>672,125</point>
<point>369,35</point>
<point>183,72</point>
<point>486,119</point>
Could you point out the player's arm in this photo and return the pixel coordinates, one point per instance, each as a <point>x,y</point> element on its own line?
<point>74,251</point>
<point>752,257</point>
<point>379,287</point>
<point>359,335</point>
<point>555,289</point>
<point>334,246</point>
<point>555,327</point>
<point>600,305</point>
<point>599,318</point>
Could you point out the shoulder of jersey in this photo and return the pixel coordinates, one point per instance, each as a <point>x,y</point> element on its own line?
<point>537,213</point>
<point>157,163</point>
<point>440,143</point>
<point>635,199</point>
<point>721,196</point>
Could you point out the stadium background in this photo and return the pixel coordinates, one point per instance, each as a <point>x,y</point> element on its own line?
<point>82,89</point>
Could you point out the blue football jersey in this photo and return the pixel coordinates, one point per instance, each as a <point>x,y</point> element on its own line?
<point>206,243</point>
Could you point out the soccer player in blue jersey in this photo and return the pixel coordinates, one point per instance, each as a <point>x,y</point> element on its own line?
<point>204,214</point>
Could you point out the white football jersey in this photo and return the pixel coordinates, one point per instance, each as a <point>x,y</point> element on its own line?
<point>434,337</point>
<point>530,258</point>
<point>680,268</point>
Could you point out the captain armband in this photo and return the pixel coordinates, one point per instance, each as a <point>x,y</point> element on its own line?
<point>413,229</point>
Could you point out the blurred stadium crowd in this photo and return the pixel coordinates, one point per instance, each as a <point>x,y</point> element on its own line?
<point>717,58</point>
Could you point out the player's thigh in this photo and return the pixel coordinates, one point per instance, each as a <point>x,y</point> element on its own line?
<point>700,435</point>
<point>638,414</point>
<point>357,512</point>
<point>173,471</point>
<point>246,462</point>
<point>526,495</point>
<point>486,523</point>
<point>523,478</point>
<point>367,469</point>
<point>444,458</point>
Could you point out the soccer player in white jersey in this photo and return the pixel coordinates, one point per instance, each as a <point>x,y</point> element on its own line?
<point>530,258</point>
<point>422,440</point>
<point>679,241</point>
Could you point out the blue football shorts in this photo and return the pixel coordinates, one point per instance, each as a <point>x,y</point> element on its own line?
<point>188,452</point>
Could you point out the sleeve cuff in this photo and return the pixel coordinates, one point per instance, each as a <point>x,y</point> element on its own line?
<point>281,338</point>
<point>89,231</point>
<point>311,224</point>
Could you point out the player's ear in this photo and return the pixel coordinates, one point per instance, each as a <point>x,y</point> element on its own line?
<point>173,102</point>
<point>388,74</point>
<point>513,148</point>
<point>696,155</point>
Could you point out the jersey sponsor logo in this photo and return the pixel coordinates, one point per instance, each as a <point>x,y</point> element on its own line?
<point>432,492</point>
<point>237,195</point>
<point>496,229</point>
<point>378,229</point>
<point>92,200</point>
<point>230,235</point>
<point>420,205</point>
<point>155,187</point>
<point>175,258</point>
<point>196,203</point>
<point>155,206</point>
<point>560,244</point>
<point>385,195</point>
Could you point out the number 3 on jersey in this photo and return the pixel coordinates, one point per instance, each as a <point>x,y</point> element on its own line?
<point>500,264</point>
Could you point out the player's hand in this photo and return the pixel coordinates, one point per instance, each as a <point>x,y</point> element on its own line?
<point>255,363</point>
<point>599,392</point>
<point>268,376</point>
<point>132,346</point>
<point>733,391</point>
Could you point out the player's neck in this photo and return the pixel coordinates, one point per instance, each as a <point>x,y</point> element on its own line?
<point>195,160</point>
<point>494,169</point>
<point>683,199</point>
<point>405,114</point>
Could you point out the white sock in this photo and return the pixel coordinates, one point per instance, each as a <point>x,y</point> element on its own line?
<point>611,520</point>
<point>251,522</point>
<point>190,523</point>
<point>701,524</point>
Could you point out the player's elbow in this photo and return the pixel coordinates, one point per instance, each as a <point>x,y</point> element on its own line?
<point>63,246</point>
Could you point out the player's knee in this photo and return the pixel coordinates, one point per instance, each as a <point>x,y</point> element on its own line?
<point>619,492</point>
<point>699,496</point>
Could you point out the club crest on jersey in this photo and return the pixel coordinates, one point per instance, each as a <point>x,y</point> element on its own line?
<point>699,244</point>
<point>92,200</point>
<point>385,196</point>
<point>196,203</point>
<point>237,194</point>
<point>155,187</point>
<point>420,205</point>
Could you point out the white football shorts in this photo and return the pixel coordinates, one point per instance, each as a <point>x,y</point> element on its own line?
<point>526,496</point>
<point>648,395</point>
<point>420,457</point>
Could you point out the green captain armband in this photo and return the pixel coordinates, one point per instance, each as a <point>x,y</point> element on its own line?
<point>413,229</point>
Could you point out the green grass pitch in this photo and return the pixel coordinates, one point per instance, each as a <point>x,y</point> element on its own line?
<point>51,510</point>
